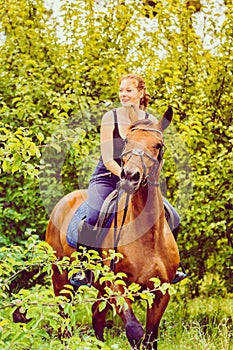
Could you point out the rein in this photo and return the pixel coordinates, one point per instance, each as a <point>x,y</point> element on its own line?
<point>117,236</point>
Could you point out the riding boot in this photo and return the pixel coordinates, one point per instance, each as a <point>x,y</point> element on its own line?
<point>86,235</point>
<point>86,238</point>
<point>180,275</point>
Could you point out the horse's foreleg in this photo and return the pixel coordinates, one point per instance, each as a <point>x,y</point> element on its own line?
<point>99,318</point>
<point>154,315</point>
<point>60,279</point>
<point>133,328</point>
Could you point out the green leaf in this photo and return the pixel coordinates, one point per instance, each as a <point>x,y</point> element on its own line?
<point>56,147</point>
<point>102,305</point>
<point>40,137</point>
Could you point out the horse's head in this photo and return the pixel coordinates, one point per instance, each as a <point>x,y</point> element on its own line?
<point>143,153</point>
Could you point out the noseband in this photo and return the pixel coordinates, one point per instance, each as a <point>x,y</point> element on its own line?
<point>137,152</point>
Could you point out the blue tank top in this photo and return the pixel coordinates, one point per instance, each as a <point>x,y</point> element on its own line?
<point>118,145</point>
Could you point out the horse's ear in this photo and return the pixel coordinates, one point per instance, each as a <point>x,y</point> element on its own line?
<point>166,119</point>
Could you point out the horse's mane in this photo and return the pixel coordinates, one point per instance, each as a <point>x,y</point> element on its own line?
<point>142,122</point>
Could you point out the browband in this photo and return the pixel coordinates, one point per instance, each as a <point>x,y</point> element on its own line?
<point>148,129</point>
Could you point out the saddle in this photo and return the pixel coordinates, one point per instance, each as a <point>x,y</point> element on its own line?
<point>108,210</point>
<point>169,215</point>
<point>105,219</point>
<point>106,214</point>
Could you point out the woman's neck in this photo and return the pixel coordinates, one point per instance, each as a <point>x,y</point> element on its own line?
<point>134,112</point>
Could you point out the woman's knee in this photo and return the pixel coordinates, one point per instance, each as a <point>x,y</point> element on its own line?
<point>174,221</point>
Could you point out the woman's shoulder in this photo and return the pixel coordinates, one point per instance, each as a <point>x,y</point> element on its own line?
<point>108,117</point>
<point>110,113</point>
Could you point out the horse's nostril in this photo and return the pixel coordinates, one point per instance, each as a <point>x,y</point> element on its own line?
<point>125,174</point>
<point>130,176</point>
<point>136,176</point>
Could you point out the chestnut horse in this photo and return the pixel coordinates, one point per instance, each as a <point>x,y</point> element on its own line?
<point>145,241</point>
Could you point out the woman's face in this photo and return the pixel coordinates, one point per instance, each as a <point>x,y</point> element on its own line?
<point>129,94</point>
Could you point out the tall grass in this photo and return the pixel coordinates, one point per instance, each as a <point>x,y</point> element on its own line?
<point>198,324</point>
<point>203,323</point>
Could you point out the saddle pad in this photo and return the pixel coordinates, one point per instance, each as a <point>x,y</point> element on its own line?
<point>72,231</point>
<point>80,214</point>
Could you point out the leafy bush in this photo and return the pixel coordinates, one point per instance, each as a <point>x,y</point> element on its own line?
<point>36,311</point>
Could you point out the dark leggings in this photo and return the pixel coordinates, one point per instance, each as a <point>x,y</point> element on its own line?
<point>100,187</point>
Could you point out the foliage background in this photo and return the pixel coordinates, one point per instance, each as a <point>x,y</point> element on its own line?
<point>56,75</point>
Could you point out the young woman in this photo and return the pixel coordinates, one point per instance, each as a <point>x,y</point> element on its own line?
<point>134,99</point>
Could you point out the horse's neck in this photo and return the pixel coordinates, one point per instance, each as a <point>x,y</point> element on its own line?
<point>147,203</point>
<point>148,195</point>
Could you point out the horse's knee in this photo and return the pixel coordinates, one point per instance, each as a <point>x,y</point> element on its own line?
<point>60,279</point>
<point>99,320</point>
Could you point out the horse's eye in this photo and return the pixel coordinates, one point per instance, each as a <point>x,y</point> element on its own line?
<point>158,146</point>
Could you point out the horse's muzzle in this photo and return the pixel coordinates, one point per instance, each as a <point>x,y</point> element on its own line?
<point>130,180</point>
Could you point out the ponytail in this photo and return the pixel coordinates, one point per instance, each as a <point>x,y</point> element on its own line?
<point>145,100</point>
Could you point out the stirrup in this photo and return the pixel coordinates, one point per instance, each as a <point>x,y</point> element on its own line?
<point>80,279</point>
<point>180,276</point>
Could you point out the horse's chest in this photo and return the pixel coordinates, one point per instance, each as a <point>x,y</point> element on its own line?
<point>140,268</point>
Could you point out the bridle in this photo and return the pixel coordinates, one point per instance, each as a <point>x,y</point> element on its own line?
<point>146,178</point>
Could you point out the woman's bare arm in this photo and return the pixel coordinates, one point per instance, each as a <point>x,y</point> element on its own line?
<point>106,138</point>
